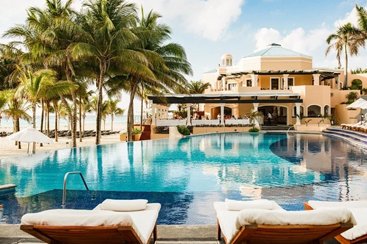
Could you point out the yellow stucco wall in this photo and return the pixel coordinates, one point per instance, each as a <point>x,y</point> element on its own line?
<point>286,63</point>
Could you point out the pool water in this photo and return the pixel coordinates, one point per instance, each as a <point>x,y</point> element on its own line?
<point>187,175</point>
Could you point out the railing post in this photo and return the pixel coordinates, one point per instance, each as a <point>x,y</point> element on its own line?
<point>65,183</point>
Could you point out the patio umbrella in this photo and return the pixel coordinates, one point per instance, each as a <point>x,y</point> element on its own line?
<point>360,103</point>
<point>30,135</point>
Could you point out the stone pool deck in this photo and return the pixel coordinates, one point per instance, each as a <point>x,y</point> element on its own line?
<point>167,234</point>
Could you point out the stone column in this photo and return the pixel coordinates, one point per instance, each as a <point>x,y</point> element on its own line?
<point>285,80</point>
<point>254,80</point>
<point>222,114</point>
<point>298,113</point>
<point>256,107</point>
<point>224,85</point>
<point>316,79</point>
<point>188,106</point>
<point>154,122</point>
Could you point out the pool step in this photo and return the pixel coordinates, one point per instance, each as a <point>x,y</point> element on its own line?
<point>354,136</point>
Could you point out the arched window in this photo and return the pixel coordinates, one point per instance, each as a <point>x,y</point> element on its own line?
<point>295,111</point>
<point>314,111</point>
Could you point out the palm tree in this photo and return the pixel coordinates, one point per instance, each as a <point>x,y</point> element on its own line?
<point>46,35</point>
<point>362,22</point>
<point>40,85</point>
<point>197,87</point>
<point>113,109</point>
<point>16,110</point>
<point>167,62</point>
<point>3,103</point>
<point>107,41</point>
<point>347,39</point>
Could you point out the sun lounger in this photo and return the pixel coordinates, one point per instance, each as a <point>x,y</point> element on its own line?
<point>71,226</point>
<point>251,225</point>
<point>357,234</point>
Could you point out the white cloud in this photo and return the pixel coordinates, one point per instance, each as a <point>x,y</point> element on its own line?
<point>13,12</point>
<point>209,19</point>
<point>298,39</point>
<point>350,17</point>
<point>265,36</point>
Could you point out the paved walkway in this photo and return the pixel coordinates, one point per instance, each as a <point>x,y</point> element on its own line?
<point>167,234</point>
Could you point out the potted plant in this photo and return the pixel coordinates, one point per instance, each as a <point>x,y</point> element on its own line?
<point>253,116</point>
<point>136,134</point>
<point>183,130</point>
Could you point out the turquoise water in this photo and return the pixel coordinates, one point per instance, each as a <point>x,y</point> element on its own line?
<point>195,164</point>
<point>198,169</point>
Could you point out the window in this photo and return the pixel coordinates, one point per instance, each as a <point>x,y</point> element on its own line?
<point>248,83</point>
<point>274,83</point>
<point>314,111</point>
<point>290,82</point>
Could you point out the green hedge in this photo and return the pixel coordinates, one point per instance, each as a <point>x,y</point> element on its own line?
<point>183,130</point>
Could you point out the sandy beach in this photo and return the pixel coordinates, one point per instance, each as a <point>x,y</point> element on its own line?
<point>8,148</point>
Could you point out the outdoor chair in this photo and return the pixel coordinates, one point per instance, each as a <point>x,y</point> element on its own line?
<point>268,223</point>
<point>357,234</point>
<point>114,221</point>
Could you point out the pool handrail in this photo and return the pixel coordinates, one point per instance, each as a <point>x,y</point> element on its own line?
<point>65,182</point>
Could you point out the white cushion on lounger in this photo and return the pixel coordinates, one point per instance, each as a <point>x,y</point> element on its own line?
<point>142,222</point>
<point>358,209</point>
<point>348,204</point>
<point>73,217</point>
<point>276,217</point>
<point>124,205</point>
<point>234,205</point>
<point>227,218</point>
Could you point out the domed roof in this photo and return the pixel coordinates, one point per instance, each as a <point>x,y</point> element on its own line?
<point>276,50</point>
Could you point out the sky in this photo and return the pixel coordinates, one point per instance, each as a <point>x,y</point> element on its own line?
<point>209,28</point>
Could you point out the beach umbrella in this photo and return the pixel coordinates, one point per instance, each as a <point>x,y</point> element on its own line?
<point>360,103</point>
<point>30,135</point>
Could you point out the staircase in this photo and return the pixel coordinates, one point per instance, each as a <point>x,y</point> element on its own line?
<point>356,137</point>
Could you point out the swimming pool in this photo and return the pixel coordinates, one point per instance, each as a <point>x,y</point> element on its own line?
<point>187,175</point>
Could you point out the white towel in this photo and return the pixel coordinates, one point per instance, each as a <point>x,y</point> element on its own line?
<point>234,205</point>
<point>277,217</point>
<point>123,205</point>
<point>71,217</point>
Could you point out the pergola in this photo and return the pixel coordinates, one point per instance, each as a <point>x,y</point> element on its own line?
<point>254,98</point>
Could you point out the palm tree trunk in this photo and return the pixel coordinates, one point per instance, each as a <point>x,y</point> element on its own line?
<point>74,120</point>
<point>346,66</point>
<point>34,125</point>
<point>56,110</point>
<point>111,121</point>
<point>42,115</point>
<point>130,112</point>
<point>80,119</point>
<point>17,128</point>
<point>84,116</point>
<point>102,68</point>
<point>48,118</point>
<point>141,113</point>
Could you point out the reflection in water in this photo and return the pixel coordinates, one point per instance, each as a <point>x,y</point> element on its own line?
<point>190,173</point>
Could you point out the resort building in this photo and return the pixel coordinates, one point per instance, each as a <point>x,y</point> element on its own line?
<point>281,84</point>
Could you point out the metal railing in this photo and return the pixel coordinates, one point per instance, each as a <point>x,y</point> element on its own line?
<point>65,181</point>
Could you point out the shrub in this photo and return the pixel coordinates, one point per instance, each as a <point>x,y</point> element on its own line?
<point>356,84</point>
<point>254,129</point>
<point>183,130</point>
<point>136,131</point>
<point>351,97</point>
